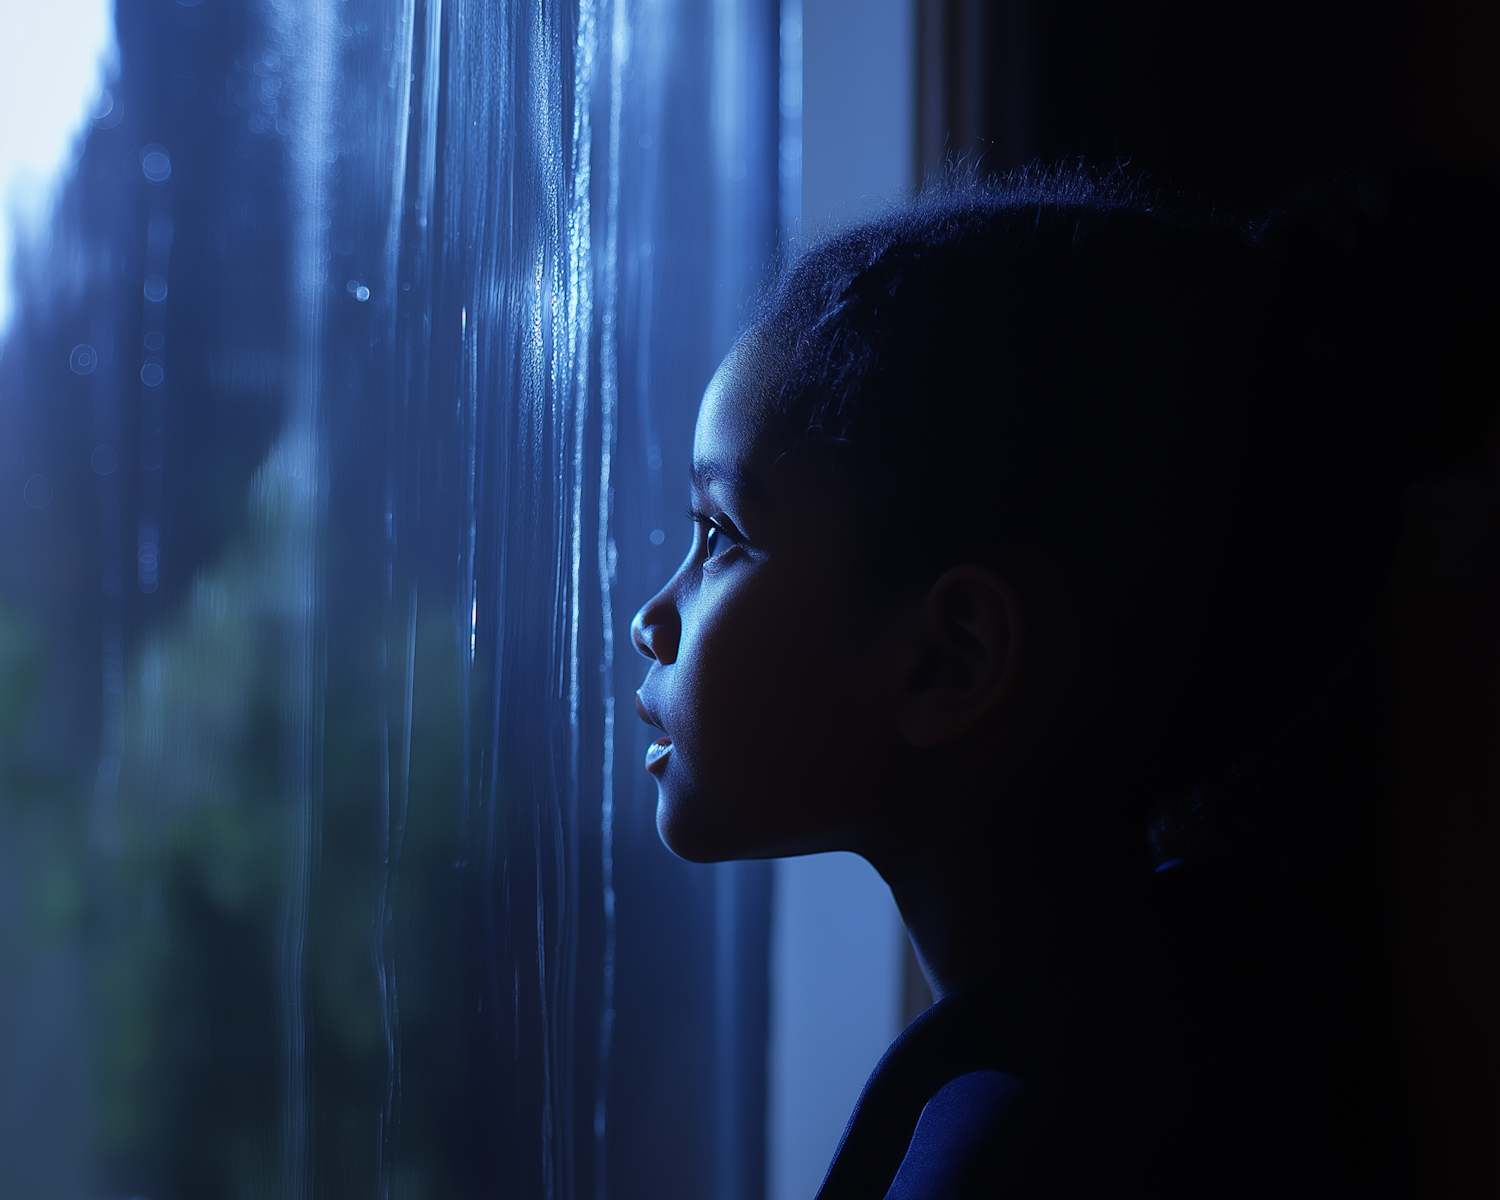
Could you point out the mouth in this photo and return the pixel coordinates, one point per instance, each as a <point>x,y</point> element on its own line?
<point>658,751</point>
<point>657,754</point>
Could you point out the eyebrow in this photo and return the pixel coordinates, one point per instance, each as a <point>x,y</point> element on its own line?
<point>707,470</point>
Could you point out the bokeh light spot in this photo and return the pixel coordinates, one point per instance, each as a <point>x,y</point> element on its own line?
<point>156,164</point>
<point>38,491</point>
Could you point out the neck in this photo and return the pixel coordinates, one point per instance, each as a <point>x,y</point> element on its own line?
<point>981,896</point>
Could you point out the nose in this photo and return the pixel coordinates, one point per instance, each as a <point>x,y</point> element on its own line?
<point>657,629</point>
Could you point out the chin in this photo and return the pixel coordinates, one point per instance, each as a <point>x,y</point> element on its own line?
<point>707,825</point>
<point>703,829</point>
<point>691,833</point>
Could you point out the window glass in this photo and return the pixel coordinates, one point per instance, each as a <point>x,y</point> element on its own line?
<point>344,418</point>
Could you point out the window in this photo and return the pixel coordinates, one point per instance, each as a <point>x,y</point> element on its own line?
<point>346,408</point>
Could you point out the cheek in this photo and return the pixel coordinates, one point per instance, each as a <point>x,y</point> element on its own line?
<point>764,662</point>
<point>776,725</point>
<point>730,667</point>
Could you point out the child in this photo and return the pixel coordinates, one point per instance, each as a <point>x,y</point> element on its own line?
<point>1040,540</point>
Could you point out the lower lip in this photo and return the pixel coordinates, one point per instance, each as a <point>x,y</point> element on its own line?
<point>657,754</point>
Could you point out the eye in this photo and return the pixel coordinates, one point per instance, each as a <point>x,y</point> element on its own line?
<point>719,536</point>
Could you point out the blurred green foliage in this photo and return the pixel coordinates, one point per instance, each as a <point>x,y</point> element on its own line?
<point>40,812</point>
<point>177,881</point>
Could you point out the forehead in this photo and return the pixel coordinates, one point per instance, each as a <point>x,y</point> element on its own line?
<point>735,410</point>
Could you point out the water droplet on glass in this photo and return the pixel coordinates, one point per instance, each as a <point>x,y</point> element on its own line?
<point>38,491</point>
<point>156,164</point>
<point>362,293</point>
<point>152,373</point>
<point>156,289</point>
<point>104,460</point>
<point>83,360</point>
<point>154,340</point>
<point>645,141</point>
<point>658,536</point>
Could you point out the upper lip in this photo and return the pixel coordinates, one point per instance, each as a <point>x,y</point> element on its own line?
<point>646,714</point>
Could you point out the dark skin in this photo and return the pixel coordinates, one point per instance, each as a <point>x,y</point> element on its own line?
<point>805,711</point>
<point>970,739</point>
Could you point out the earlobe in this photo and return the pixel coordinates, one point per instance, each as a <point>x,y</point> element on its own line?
<point>970,653</point>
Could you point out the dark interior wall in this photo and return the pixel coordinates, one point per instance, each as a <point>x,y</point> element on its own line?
<point>1241,105</point>
<point>1234,102</point>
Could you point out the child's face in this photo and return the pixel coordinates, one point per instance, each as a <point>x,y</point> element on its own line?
<point>770,672</point>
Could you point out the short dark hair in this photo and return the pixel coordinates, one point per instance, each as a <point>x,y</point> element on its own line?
<point>1208,426</point>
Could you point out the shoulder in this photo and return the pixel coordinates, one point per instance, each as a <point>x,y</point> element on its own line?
<point>968,1140</point>
<point>946,1100</point>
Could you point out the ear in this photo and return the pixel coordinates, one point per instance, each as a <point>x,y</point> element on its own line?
<point>968,659</point>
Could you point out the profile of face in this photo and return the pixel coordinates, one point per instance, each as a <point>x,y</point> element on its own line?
<point>760,673</point>
<point>794,701</point>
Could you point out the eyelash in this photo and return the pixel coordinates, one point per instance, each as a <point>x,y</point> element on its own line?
<point>699,517</point>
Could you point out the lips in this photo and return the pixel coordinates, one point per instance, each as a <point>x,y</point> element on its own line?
<point>657,754</point>
<point>658,751</point>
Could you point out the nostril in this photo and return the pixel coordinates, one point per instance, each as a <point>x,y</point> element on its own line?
<point>640,634</point>
<point>657,629</point>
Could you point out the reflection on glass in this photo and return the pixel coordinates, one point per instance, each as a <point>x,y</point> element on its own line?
<point>343,422</point>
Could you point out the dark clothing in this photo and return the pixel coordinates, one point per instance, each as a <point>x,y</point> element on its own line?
<point>1212,1058</point>
<point>937,1117</point>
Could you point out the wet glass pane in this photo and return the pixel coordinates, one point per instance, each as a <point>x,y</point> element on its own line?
<point>345,407</point>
